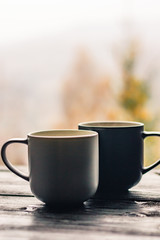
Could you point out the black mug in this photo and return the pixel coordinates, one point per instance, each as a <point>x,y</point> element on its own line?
<point>120,154</point>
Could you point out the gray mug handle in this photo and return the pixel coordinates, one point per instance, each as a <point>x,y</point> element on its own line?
<point>7,163</point>
<point>149,134</point>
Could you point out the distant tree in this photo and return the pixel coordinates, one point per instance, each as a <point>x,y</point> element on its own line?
<point>134,97</point>
<point>135,93</point>
<point>87,95</point>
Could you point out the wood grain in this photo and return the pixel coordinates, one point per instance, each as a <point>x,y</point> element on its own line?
<point>133,215</point>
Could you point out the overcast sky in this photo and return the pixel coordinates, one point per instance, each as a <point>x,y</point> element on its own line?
<point>21,19</point>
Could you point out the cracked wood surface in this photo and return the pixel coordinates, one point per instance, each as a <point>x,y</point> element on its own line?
<point>133,215</point>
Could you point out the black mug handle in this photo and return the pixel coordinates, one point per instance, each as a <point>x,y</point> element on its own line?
<point>149,134</point>
<point>7,163</point>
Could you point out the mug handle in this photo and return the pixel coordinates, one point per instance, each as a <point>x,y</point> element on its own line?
<point>5,160</point>
<point>149,134</point>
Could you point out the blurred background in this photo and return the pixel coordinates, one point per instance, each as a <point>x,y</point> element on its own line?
<point>67,61</point>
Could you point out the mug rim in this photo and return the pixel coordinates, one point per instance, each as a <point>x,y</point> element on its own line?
<point>111,124</point>
<point>62,133</point>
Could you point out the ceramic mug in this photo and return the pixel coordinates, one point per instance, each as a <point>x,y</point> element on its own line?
<point>120,154</point>
<point>63,165</point>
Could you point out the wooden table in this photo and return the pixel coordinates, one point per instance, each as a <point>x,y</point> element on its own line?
<point>134,215</point>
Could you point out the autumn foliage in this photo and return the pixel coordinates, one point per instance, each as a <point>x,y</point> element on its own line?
<point>89,95</point>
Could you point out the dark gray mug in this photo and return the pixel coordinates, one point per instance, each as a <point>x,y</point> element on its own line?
<point>63,165</point>
<point>120,154</point>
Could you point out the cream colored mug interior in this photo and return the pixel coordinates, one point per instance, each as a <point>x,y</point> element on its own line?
<point>111,124</point>
<point>63,134</point>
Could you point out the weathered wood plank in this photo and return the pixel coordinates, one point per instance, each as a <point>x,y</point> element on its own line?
<point>133,215</point>
<point>58,235</point>
<point>147,190</point>
<point>10,184</point>
<point>103,219</point>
